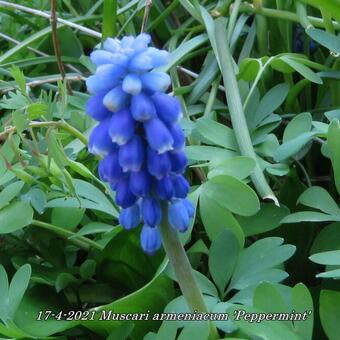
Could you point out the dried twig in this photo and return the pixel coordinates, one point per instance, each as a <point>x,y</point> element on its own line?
<point>147,9</point>
<point>56,43</point>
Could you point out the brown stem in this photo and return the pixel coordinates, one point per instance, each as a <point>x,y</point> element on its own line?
<point>56,43</point>
<point>147,9</point>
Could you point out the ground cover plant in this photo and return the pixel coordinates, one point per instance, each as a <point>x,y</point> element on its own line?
<point>169,169</point>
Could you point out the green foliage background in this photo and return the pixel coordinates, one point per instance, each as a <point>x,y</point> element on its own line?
<point>263,245</point>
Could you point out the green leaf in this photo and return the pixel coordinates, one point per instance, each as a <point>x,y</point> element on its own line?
<point>37,198</point>
<point>20,120</point>
<point>36,110</point>
<point>309,216</point>
<point>305,71</point>
<point>232,194</point>
<point>268,218</point>
<point>302,301</point>
<point>333,143</point>
<point>90,197</point>
<point>293,146</point>
<point>9,192</point>
<point>93,228</point>
<point>55,150</point>
<point>87,269</point>
<point>11,220</point>
<point>331,274</point>
<point>223,256</point>
<point>327,239</point>
<point>210,28</point>
<point>217,133</point>
<point>239,167</point>
<point>257,263</point>
<point>217,218</point>
<point>269,103</point>
<point>325,38</point>
<point>19,77</point>
<point>250,67</point>
<point>191,9</point>
<point>17,288</point>
<point>319,198</point>
<point>276,303</point>
<point>67,218</point>
<point>207,153</point>
<point>329,313</point>
<point>3,294</point>
<point>327,258</point>
<point>300,124</point>
<point>64,280</point>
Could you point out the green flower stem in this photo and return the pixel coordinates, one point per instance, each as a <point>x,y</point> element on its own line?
<point>58,124</point>
<point>184,273</point>
<point>236,111</point>
<point>80,241</point>
<point>274,13</point>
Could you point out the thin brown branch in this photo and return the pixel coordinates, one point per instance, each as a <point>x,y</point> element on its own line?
<point>147,9</point>
<point>56,43</point>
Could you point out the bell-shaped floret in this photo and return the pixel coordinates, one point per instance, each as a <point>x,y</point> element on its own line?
<point>141,42</point>
<point>178,216</point>
<point>151,211</point>
<point>178,161</point>
<point>124,197</point>
<point>127,42</point>
<point>121,127</point>
<point>106,78</point>
<point>150,239</point>
<point>112,45</point>
<point>129,218</point>
<point>189,206</point>
<point>140,183</point>
<point>159,165</point>
<point>116,99</point>
<point>101,57</point>
<point>167,107</point>
<point>181,186</point>
<point>132,84</point>
<point>158,57</point>
<point>142,108</point>
<point>177,136</point>
<point>96,109</point>
<point>100,142</point>
<point>164,188</point>
<point>109,169</point>
<point>156,81</point>
<point>158,135</point>
<point>141,62</point>
<point>131,154</point>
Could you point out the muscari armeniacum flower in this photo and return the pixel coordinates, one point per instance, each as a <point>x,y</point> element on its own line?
<point>138,136</point>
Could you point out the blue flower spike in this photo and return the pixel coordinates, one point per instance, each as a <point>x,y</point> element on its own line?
<point>138,136</point>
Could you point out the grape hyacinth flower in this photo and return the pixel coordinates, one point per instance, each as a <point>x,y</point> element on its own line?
<point>138,136</point>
